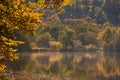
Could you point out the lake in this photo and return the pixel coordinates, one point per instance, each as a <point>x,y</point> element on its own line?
<point>66,66</point>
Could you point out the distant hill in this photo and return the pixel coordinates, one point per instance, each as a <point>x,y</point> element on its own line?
<point>99,11</point>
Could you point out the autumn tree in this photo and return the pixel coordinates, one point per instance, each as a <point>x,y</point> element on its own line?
<point>15,15</point>
<point>110,37</point>
<point>19,15</point>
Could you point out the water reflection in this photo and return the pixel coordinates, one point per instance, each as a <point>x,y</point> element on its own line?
<point>77,65</point>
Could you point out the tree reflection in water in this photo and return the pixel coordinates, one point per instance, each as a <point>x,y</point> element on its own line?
<point>76,65</point>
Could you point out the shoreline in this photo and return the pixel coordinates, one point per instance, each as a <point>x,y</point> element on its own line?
<point>59,50</point>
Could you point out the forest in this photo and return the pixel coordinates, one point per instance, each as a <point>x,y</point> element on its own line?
<point>82,25</point>
<point>57,25</point>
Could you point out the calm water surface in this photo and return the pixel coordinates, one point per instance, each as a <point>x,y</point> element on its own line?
<point>66,66</point>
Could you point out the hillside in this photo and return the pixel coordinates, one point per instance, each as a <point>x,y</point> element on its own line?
<point>99,11</point>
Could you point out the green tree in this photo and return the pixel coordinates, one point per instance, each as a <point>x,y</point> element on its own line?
<point>87,33</point>
<point>53,29</point>
<point>66,37</point>
<point>26,39</point>
<point>44,40</point>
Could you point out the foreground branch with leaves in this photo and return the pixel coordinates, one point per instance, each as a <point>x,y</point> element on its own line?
<point>19,16</point>
<point>15,15</point>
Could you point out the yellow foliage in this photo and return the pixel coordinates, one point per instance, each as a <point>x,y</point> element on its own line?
<point>55,44</point>
<point>16,15</point>
<point>54,3</point>
<point>2,65</point>
<point>66,2</point>
<point>110,37</point>
<point>90,46</point>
